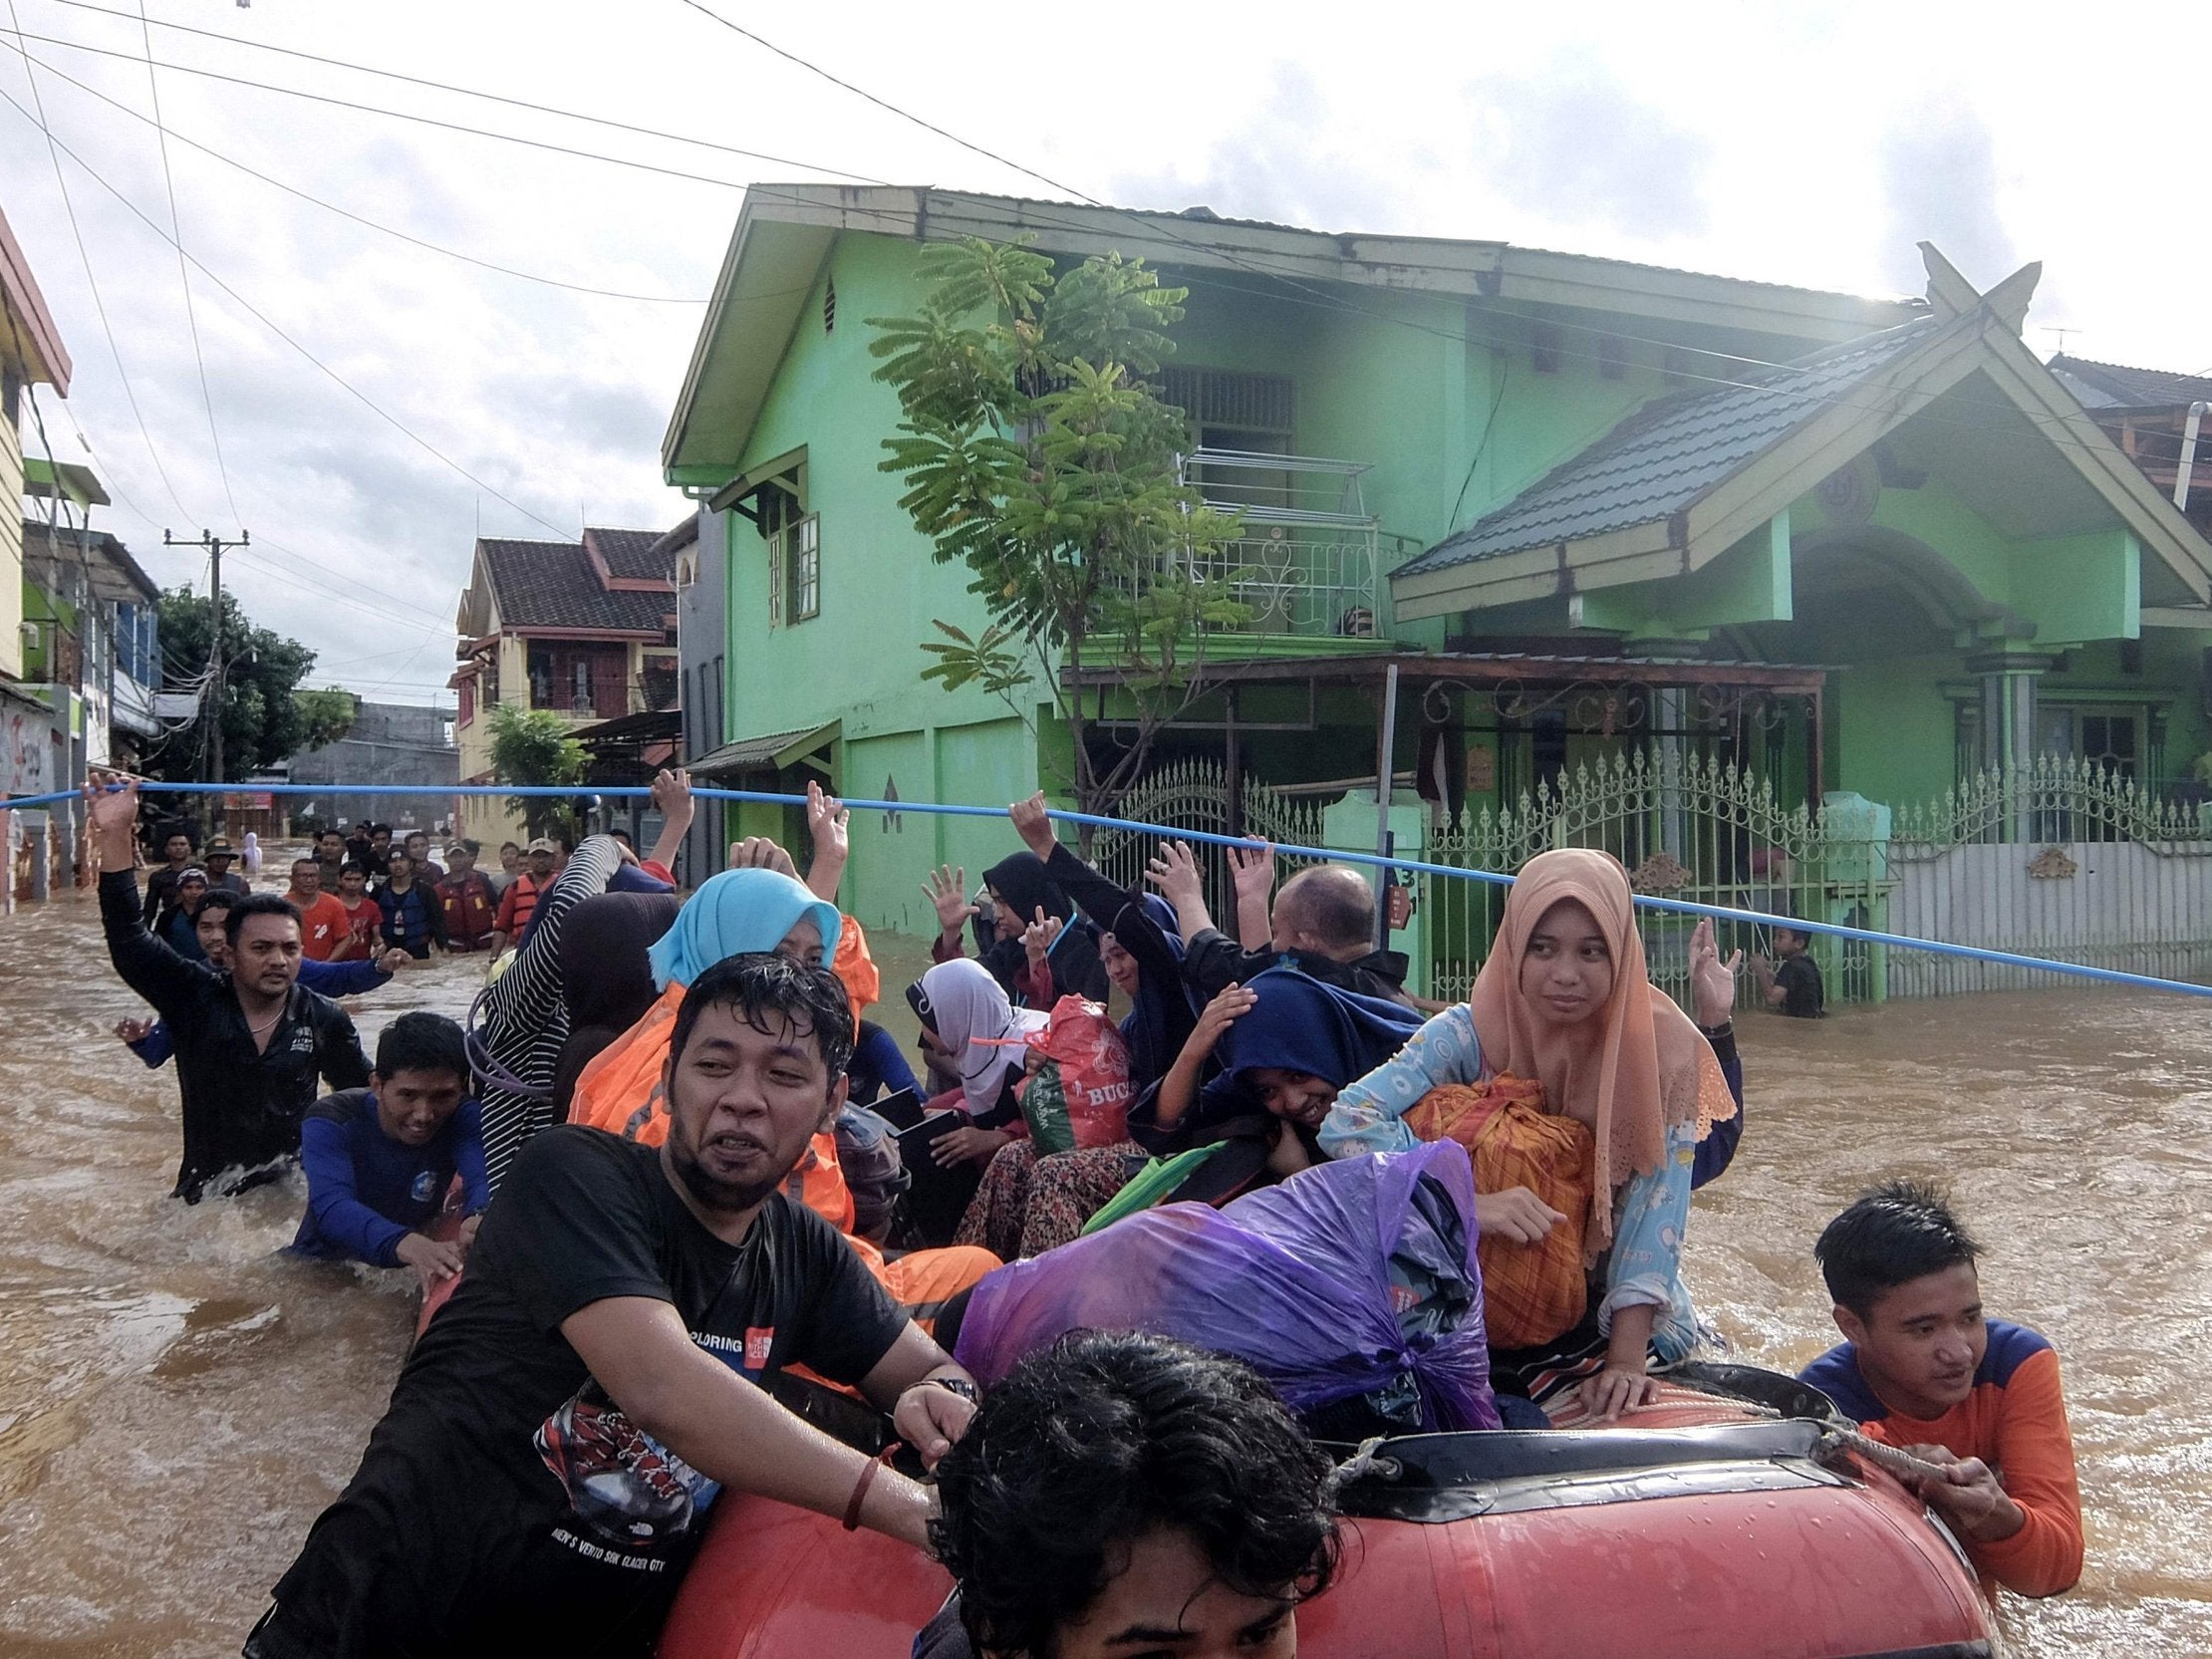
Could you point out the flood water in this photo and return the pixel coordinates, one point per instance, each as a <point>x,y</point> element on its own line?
<point>177,1401</point>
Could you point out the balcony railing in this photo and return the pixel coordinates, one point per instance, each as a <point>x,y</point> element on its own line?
<point>1309,561</point>
<point>600,701</point>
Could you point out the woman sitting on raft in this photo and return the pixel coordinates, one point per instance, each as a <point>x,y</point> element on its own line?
<point>1028,1205</point>
<point>1588,1079</point>
<point>1284,1045</point>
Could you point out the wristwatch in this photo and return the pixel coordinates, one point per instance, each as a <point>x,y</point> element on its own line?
<point>955,1385</point>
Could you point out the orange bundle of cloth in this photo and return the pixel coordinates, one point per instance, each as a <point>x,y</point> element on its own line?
<point>1531,1292</point>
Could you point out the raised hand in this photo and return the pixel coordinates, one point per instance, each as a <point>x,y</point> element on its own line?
<point>757,851</point>
<point>947,889</point>
<point>1038,937</point>
<point>829,822</point>
<point>1712,982</point>
<point>1033,826</point>
<point>1252,869</point>
<point>672,794</point>
<point>1176,874</point>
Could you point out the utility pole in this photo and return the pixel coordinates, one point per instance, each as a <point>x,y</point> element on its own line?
<point>215,546</point>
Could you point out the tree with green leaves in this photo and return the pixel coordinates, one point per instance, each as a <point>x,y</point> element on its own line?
<point>1035,450</point>
<point>532,746</point>
<point>266,717</point>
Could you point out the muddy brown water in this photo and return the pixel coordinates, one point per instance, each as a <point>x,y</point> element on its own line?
<point>177,1401</point>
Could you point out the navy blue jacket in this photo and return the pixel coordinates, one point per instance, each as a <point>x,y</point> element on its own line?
<point>366,1192</point>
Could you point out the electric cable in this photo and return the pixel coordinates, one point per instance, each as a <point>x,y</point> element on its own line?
<point>183,275</point>
<point>262,317</point>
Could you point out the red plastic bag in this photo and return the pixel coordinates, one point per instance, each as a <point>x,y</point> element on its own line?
<point>1078,1097</point>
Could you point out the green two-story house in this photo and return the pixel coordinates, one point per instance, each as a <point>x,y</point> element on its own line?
<point>1845,544</point>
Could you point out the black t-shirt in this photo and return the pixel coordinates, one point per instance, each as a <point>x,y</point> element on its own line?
<point>505,1503</point>
<point>1803,996</point>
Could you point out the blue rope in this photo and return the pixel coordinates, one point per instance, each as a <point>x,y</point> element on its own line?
<point>1333,855</point>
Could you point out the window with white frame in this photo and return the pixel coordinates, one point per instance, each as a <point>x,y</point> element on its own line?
<point>802,568</point>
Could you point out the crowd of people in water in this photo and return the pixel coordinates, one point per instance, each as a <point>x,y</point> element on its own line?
<point>669,1161</point>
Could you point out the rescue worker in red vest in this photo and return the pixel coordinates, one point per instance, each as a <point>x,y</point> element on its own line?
<point>465,896</point>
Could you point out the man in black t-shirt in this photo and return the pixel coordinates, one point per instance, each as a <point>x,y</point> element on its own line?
<point>540,1481</point>
<point>1792,984</point>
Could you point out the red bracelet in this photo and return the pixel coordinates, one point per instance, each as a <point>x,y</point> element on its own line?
<point>861,1486</point>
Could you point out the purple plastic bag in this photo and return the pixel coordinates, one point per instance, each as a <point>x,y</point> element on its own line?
<point>1295,1280</point>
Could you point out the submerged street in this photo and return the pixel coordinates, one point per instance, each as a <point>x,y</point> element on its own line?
<point>177,1401</point>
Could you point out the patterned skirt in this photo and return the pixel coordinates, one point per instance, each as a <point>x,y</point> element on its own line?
<point>1027,1204</point>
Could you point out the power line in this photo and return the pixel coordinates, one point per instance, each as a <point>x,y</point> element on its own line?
<point>456,127</point>
<point>261,316</point>
<point>185,278</point>
<point>99,305</point>
<point>473,92</point>
<point>347,213</point>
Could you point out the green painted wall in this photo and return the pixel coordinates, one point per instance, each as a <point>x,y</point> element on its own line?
<point>860,660</point>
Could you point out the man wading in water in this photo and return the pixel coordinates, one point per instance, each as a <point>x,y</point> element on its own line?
<point>250,1040</point>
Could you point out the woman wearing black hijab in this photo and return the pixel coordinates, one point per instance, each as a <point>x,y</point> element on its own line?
<point>1020,889</point>
<point>606,978</point>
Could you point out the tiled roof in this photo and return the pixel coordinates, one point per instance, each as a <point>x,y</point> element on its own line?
<point>2115,385</point>
<point>551,584</point>
<point>1668,453</point>
<point>632,554</point>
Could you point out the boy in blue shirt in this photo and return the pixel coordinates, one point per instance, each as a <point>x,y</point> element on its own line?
<point>379,1160</point>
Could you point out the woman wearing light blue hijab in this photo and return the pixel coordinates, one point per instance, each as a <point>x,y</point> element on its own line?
<point>742,910</point>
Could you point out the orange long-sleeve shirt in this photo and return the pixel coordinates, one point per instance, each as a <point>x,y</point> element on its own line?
<point>2014,1421</point>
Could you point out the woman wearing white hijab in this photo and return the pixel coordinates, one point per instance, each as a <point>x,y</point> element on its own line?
<point>981,1036</point>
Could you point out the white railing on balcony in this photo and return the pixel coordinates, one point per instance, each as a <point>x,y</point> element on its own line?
<point>1309,561</point>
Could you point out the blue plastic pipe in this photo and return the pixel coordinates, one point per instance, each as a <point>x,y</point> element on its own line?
<point>1333,855</point>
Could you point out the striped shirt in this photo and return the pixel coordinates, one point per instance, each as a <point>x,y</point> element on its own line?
<point>525,1018</point>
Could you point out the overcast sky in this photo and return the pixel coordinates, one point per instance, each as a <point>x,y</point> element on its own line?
<point>1813,149</point>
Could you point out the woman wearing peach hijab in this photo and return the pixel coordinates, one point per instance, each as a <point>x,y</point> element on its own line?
<point>1564,1003</point>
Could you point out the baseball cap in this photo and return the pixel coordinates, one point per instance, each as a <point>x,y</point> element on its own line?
<point>543,844</point>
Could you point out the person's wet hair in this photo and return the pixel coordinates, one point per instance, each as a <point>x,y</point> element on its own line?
<point>1900,1232</point>
<point>763,989</point>
<point>1107,1437</point>
<point>257,904</point>
<point>422,1042</point>
<point>1334,905</point>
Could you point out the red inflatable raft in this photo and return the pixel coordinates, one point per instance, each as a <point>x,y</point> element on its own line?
<point>1713,1530</point>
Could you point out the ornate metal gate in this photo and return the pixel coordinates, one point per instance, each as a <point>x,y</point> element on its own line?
<point>1194,795</point>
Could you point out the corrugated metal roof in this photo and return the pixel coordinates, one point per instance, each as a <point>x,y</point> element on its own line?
<point>1668,453</point>
<point>748,755</point>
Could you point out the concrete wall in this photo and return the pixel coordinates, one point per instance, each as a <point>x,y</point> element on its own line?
<point>390,743</point>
